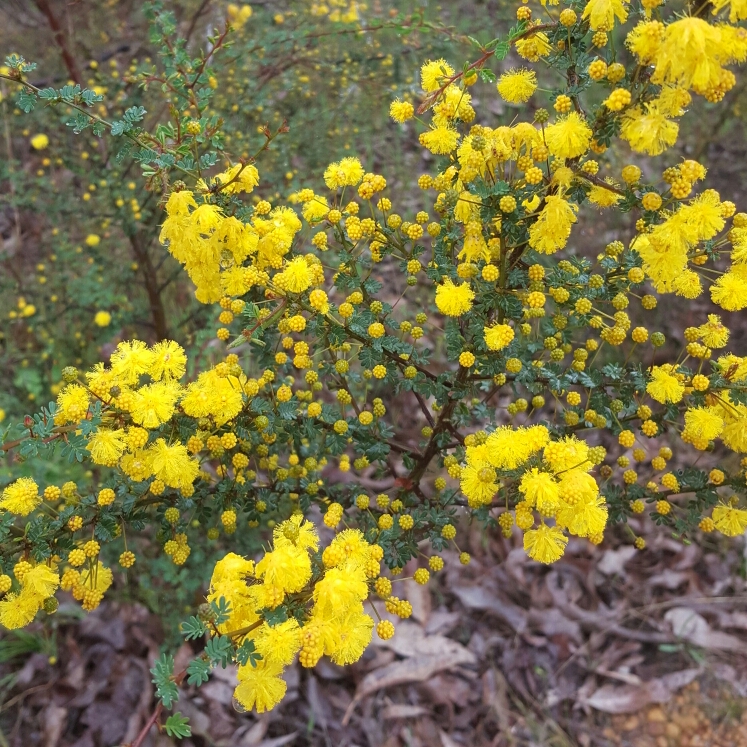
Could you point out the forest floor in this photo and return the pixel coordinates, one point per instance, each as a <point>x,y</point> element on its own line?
<point>608,647</point>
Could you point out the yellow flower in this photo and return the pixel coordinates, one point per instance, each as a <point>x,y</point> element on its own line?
<point>169,361</point>
<point>154,403</point>
<point>401,111</point>
<point>278,644</point>
<point>172,464</point>
<point>737,9</point>
<point>106,447</point>
<point>729,520</point>
<point>603,197</point>
<point>345,173</point>
<point>440,141</point>
<point>296,277</point>
<point>498,336</point>
<point>550,232</point>
<point>602,14</point>
<point>545,544</point>
<point>18,610</point>
<point>21,497</point>
<point>454,300</point>
<point>354,632</point>
<point>433,73</point>
<point>690,55</point>
<point>102,319</point>
<point>713,333</point>
<point>664,386</point>
<point>130,360</point>
<point>286,567</point>
<point>569,137</point>
<point>517,86</point>
<point>650,131</point>
<point>297,531</point>
<point>540,490</point>
<point>260,687</point>
<point>533,47</point>
<point>585,518</point>
<point>39,142</point>
<point>72,405</point>
<point>730,290</point>
<point>702,423</point>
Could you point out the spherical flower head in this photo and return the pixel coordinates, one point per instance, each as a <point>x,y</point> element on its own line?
<point>278,644</point>
<point>550,232</point>
<point>72,404</point>
<point>172,464</point>
<point>603,13</point>
<point>296,277</point>
<point>260,687</point>
<point>433,74</point>
<point>664,387</point>
<point>569,137</point>
<point>102,319</point>
<point>440,141</point>
<point>298,532</point>
<point>517,86</point>
<point>730,520</point>
<point>545,544</point>
<point>39,142</point>
<point>401,111</point>
<point>169,361</point>
<point>106,447</point>
<point>498,336</point>
<point>540,489</point>
<point>454,300</point>
<point>730,290</point>
<point>345,173</point>
<point>21,497</point>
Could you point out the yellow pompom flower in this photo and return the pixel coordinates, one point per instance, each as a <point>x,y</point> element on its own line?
<point>603,13</point>
<point>550,232</point>
<point>345,173</point>
<point>498,336</point>
<point>454,300</point>
<point>40,141</point>
<point>401,111</point>
<point>433,74</point>
<point>260,687</point>
<point>296,277</point>
<point>729,520</point>
<point>545,544</point>
<point>569,137</point>
<point>664,387</point>
<point>102,319</point>
<point>21,497</point>
<point>517,86</point>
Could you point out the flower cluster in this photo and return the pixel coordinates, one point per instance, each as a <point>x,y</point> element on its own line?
<point>323,592</point>
<point>544,397</point>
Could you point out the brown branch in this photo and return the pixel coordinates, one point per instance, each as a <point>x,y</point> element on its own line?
<point>431,98</point>
<point>60,38</point>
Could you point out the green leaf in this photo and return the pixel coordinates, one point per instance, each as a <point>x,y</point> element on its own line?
<point>26,100</point>
<point>501,50</point>
<point>246,653</point>
<point>198,671</point>
<point>177,726</point>
<point>166,689</point>
<point>221,610</point>
<point>193,628</point>
<point>219,650</point>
